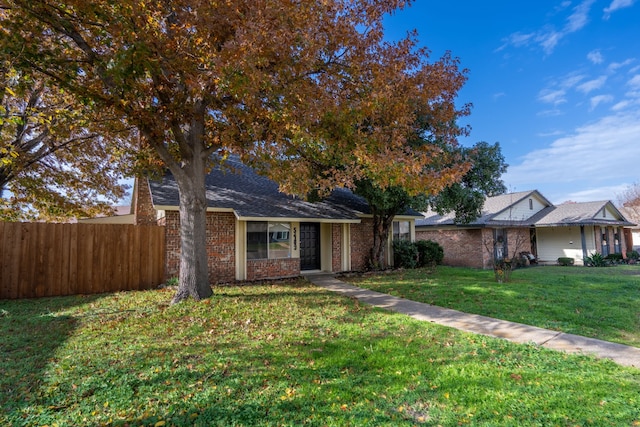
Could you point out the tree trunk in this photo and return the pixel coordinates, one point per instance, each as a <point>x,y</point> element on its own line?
<point>381,226</point>
<point>194,271</point>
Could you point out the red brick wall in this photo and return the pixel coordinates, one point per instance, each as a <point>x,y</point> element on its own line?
<point>143,211</point>
<point>361,243</point>
<point>462,248</point>
<point>336,247</point>
<point>518,240</point>
<point>258,269</point>
<point>474,247</point>
<point>220,245</point>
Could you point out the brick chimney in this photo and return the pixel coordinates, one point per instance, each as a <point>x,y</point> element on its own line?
<point>144,213</point>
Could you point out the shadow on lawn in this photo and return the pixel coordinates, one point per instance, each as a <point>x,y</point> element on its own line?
<point>31,331</point>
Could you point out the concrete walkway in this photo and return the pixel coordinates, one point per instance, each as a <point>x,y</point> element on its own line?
<point>516,332</point>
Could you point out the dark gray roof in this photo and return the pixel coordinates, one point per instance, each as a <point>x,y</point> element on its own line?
<point>235,186</point>
<point>562,215</point>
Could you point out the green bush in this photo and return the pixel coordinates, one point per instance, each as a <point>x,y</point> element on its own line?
<point>633,255</point>
<point>565,261</point>
<point>405,254</point>
<point>430,253</point>
<point>596,260</point>
<point>614,258</point>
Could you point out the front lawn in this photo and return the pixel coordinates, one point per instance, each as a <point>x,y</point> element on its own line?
<point>600,303</point>
<point>284,355</point>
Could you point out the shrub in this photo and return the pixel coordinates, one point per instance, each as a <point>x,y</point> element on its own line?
<point>596,260</point>
<point>614,258</point>
<point>633,255</point>
<point>430,253</point>
<point>565,261</point>
<point>405,254</point>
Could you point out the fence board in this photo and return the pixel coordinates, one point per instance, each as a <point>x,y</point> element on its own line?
<point>38,259</point>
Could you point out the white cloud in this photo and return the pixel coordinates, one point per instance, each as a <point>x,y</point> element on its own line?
<point>627,103</point>
<point>607,192</point>
<point>599,99</point>
<point>554,97</point>
<point>552,133</point>
<point>616,5</point>
<point>592,85</point>
<point>549,37</point>
<point>549,40</point>
<point>597,155</point>
<point>634,82</point>
<point>595,56</point>
<point>571,80</point>
<point>579,18</point>
<point>614,66</point>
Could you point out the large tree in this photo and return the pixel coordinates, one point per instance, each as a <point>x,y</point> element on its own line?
<point>484,179</point>
<point>283,83</point>
<point>52,165</point>
<point>474,173</point>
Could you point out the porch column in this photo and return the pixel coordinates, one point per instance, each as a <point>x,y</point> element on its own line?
<point>583,241</point>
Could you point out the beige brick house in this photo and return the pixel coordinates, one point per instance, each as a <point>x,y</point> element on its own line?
<point>528,222</point>
<point>256,232</point>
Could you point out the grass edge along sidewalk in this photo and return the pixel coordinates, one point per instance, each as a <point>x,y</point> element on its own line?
<point>601,303</point>
<point>512,331</point>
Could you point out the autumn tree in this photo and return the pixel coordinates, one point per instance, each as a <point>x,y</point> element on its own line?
<point>51,164</point>
<point>475,173</point>
<point>285,84</point>
<point>444,169</point>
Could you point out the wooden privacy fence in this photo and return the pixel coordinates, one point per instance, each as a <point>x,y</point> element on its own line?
<point>38,259</point>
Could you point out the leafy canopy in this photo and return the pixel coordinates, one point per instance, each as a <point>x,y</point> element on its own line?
<point>54,162</point>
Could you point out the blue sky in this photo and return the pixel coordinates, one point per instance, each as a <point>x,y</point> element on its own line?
<point>557,83</point>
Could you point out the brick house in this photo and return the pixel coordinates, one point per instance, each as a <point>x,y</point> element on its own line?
<point>256,232</point>
<point>528,222</point>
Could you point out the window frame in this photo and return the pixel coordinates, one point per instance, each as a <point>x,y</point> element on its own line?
<point>272,244</point>
<point>399,235</point>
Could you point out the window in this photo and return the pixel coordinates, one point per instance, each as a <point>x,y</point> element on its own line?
<point>605,245</point>
<point>401,230</point>
<point>268,240</point>
<point>500,244</point>
<point>530,204</point>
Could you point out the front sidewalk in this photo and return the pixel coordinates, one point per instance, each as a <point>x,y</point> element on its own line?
<point>516,332</point>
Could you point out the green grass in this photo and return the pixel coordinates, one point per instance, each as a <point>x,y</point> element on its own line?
<point>284,355</point>
<point>601,303</point>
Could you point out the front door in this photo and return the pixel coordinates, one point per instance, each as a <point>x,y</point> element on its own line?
<point>309,246</point>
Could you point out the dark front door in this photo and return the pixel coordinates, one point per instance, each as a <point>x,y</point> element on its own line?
<point>309,246</point>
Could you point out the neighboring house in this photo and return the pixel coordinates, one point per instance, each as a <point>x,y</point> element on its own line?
<point>256,232</point>
<point>632,213</point>
<point>122,215</point>
<point>528,222</point>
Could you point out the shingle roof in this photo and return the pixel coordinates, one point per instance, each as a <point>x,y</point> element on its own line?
<point>238,187</point>
<point>632,214</point>
<point>562,215</point>
<point>492,207</point>
<point>580,214</point>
